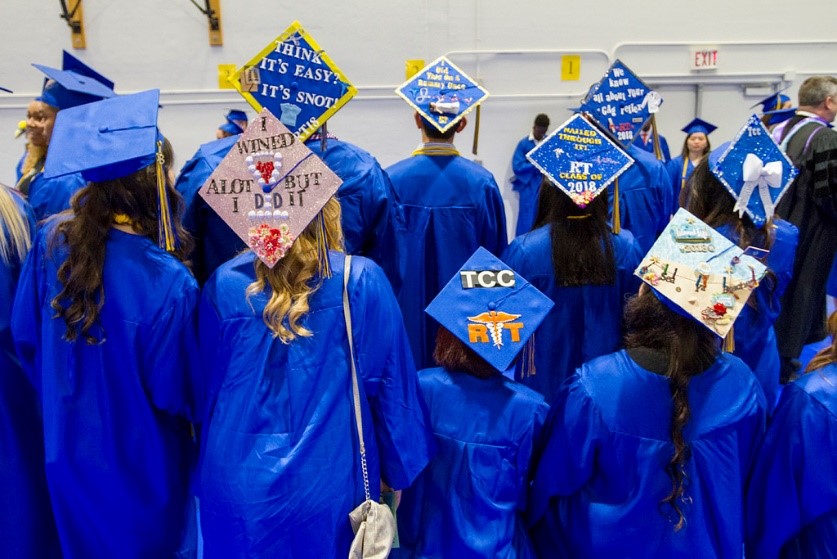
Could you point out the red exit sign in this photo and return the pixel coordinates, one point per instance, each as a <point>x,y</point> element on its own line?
<point>704,59</point>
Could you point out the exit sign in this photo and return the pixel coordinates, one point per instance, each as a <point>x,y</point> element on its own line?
<point>704,58</point>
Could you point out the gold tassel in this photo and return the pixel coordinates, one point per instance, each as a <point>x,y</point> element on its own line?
<point>617,221</point>
<point>729,341</point>
<point>322,247</point>
<point>167,237</point>
<point>476,130</point>
<point>658,152</point>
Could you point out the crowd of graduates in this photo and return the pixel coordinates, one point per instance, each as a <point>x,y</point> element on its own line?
<point>177,372</point>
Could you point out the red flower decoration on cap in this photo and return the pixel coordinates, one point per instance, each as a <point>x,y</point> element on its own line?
<point>720,309</point>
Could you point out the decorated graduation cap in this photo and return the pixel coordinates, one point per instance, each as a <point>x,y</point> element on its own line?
<point>111,139</point>
<point>490,308</point>
<point>236,122</point>
<point>772,102</point>
<point>296,80</point>
<point>621,102</point>
<point>75,84</point>
<point>754,169</point>
<point>578,158</point>
<point>699,273</point>
<point>269,187</point>
<point>699,126</point>
<point>442,93</point>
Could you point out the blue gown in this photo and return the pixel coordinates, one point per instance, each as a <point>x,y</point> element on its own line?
<point>600,480</point>
<point>755,339</point>
<point>527,183</point>
<point>585,322</point>
<point>649,146</point>
<point>644,198</point>
<point>280,469</point>
<point>118,449</point>
<point>51,196</point>
<point>674,168</point>
<point>445,208</point>
<point>27,528</point>
<point>470,500</point>
<point>792,493</point>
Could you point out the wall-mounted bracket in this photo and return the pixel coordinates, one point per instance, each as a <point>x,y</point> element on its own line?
<point>75,20</point>
<point>212,11</point>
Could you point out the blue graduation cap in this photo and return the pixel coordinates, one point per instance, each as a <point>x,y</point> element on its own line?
<point>697,126</point>
<point>772,102</point>
<point>490,308</point>
<point>6,90</point>
<point>235,115</point>
<point>779,116</point>
<point>75,84</point>
<point>236,122</point>
<point>754,169</point>
<point>621,102</point>
<point>579,159</point>
<point>442,93</point>
<point>699,273</point>
<point>296,80</point>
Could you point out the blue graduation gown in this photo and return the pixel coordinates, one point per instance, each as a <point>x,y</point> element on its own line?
<point>600,480</point>
<point>644,198</point>
<point>585,322</point>
<point>527,183</point>
<point>470,500</point>
<point>445,208</point>
<point>280,468</point>
<point>674,168</point>
<point>755,339</point>
<point>27,528</point>
<point>649,147</point>
<point>118,449</point>
<point>51,196</point>
<point>792,493</point>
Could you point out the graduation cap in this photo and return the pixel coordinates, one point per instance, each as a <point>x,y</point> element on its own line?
<point>621,102</point>
<point>269,187</point>
<point>442,93</point>
<point>111,139</point>
<point>296,80</point>
<point>490,308</point>
<point>772,102</point>
<point>780,115</point>
<point>699,273</point>
<point>6,90</point>
<point>236,121</point>
<point>75,84</point>
<point>754,169</point>
<point>578,158</point>
<point>699,126</point>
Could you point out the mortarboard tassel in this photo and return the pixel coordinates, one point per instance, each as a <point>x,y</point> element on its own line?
<point>476,130</point>
<point>323,137</point>
<point>167,236</point>
<point>322,247</point>
<point>617,221</point>
<point>729,341</point>
<point>658,152</point>
<point>528,358</point>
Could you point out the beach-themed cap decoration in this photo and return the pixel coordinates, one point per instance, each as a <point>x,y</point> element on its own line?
<point>581,160</point>
<point>269,187</point>
<point>442,93</point>
<point>754,169</point>
<point>490,308</point>
<point>296,80</point>
<point>621,102</point>
<point>111,139</point>
<point>75,84</point>
<point>700,273</point>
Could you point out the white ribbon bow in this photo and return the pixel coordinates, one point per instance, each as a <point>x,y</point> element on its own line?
<point>756,174</point>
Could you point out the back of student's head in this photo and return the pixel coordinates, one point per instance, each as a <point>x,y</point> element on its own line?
<point>452,354</point>
<point>433,133</point>
<point>582,247</point>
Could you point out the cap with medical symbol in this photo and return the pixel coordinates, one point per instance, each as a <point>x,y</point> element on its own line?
<point>579,159</point>
<point>75,84</point>
<point>699,126</point>
<point>269,187</point>
<point>490,308</point>
<point>296,80</point>
<point>442,93</point>
<point>754,169</point>
<point>621,102</point>
<point>699,273</point>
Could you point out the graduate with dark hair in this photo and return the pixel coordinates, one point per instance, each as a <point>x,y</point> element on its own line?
<point>696,147</point>
<point>527,178</point>
<point>104,325</point>
<point>648,448</point>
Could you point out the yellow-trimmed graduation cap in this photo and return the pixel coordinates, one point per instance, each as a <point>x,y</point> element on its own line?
<point>296,80</point>
<point>578,158</point>
<point>698,125</point>
<point>75,84</point>
<point>754,169</point>
<point>442,93</point>
<point>269,187</point>
<point>699,273</point>
<point>490,308</point>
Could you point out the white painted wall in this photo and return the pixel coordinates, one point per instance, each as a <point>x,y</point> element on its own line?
<point>142,44</point>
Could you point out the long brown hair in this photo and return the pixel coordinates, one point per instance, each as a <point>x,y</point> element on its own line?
<point>295,278</point>
<point>691,349</point>
<point>85,234</point>
<point>582,247</point>
<point>828,355</point>
<point>452,354</point>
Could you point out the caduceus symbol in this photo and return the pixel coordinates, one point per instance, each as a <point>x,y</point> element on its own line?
<point>494,320</point>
